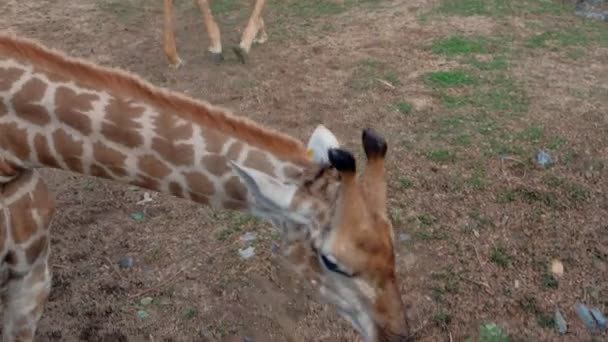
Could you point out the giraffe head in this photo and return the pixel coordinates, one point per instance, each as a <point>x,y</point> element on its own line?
<point>338,235</point>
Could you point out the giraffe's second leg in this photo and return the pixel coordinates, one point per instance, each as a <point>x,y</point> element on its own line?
<point>262,36</point>
<point>24,299</point>
<point>213,31</point>
<point>169,33</point>
<point>255,25</point>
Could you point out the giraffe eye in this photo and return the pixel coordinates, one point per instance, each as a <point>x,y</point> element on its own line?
<point>330,264</point>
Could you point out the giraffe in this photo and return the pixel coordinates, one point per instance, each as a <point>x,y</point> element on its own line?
<point>255,32</point>
<point>66,113</point>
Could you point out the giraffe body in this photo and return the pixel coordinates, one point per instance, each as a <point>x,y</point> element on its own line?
<point>65,113</point>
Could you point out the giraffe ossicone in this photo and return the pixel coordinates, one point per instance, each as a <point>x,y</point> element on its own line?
<point>65,113</point>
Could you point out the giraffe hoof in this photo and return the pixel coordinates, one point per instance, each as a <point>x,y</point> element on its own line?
<point>240,53</point>
<point>177,64</point>
<point>216,57</point>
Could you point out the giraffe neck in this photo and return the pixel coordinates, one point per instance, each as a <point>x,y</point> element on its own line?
<point>60,112</point>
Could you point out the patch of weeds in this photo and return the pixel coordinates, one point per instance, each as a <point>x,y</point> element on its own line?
<point>499,8</point>
<point>405,182</point>
<point>224,6</point>
<point>502,95</point>
<point>500,257</point>
<point>557,142</point>
<point>423,234</point>
<point>496,63</point>
<point>476,180</point>
<point>572,37</point>
<point>438,294</point>
<point>450,78</point>
<point>426,219</point>
<point>529,305</point>
<point>236,223</point>
<point>549,281</point>
<point>533,134</point>
<point>463,139</point>
<point>459,45</point>
<point>552,181</point>
<point>480,219</point>
<point>189,313</point>
<point>545,321</point>
<point>441,155</point>
<point>464,7</point>
<point>404,107</point>
<point>529,196</point>
<point>442,319</point>
<point>576,193</point>
<point>392,78</point>
<point>490,332</point>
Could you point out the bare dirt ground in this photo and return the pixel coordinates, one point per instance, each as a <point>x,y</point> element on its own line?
<point>466,91</point>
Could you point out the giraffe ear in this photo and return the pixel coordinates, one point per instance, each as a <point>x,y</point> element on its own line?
<point>266,191</point>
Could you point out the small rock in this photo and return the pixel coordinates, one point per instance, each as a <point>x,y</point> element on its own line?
<point>560,322</point>
<point>557,268</point>
<point>125,262</point>
<point>543,159</point>
<point>142,314</point>
<point>599,318</point>
<point>249,236</point>
<point>405,237</point>
<point>137,216</point>
<point>583,313</point>
<point>275,248</point>
<point>247,253</point>
<point>146,301</point>
<point>247,339</point>
<point>147,198</point>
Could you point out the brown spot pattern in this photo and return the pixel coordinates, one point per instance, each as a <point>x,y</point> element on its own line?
<point>23,225</point>
<point>292,172</point>
<point>110,158</point>
<point>147,183</point>
<point>69,150</point>
<point>234,205</point>
<point>214,141</point>
<point>99,171</point>
<point>43,152</point>
<point>216,164</point>
<point>36,249</point>
<point>8,76</point>
<point>152,166</point>
<point>71,107</point>
<point>234,150</point>
<point>3,109</point>
<point>176,189</point>
<point>121,126</point>
<point>199,183</point>
<point>258,160</point>
<point>3,228</point>
<point>167,128</point>
<point>235,189</point>
<point>177,154</point>
<point>196,197</point>
<point>23,102</point>
<point>15,139</point>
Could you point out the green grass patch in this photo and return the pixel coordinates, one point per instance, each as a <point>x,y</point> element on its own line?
<point>500,257</point>
<point>404,107</point>
<point>450,78</point>
<point>441,155</point>
<point>459,45</point>
<point>405,182</point>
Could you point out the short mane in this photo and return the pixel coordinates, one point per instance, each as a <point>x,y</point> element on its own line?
<point>122,82</point>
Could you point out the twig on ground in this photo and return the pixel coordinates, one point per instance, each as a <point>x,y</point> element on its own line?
<point>159,286</point>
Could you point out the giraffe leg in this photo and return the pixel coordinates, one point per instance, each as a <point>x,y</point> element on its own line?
<point>169,33</point>
<point>262,36</point>
<point>213,31</point>
<point>253,26</point>
<point>24,298</point>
